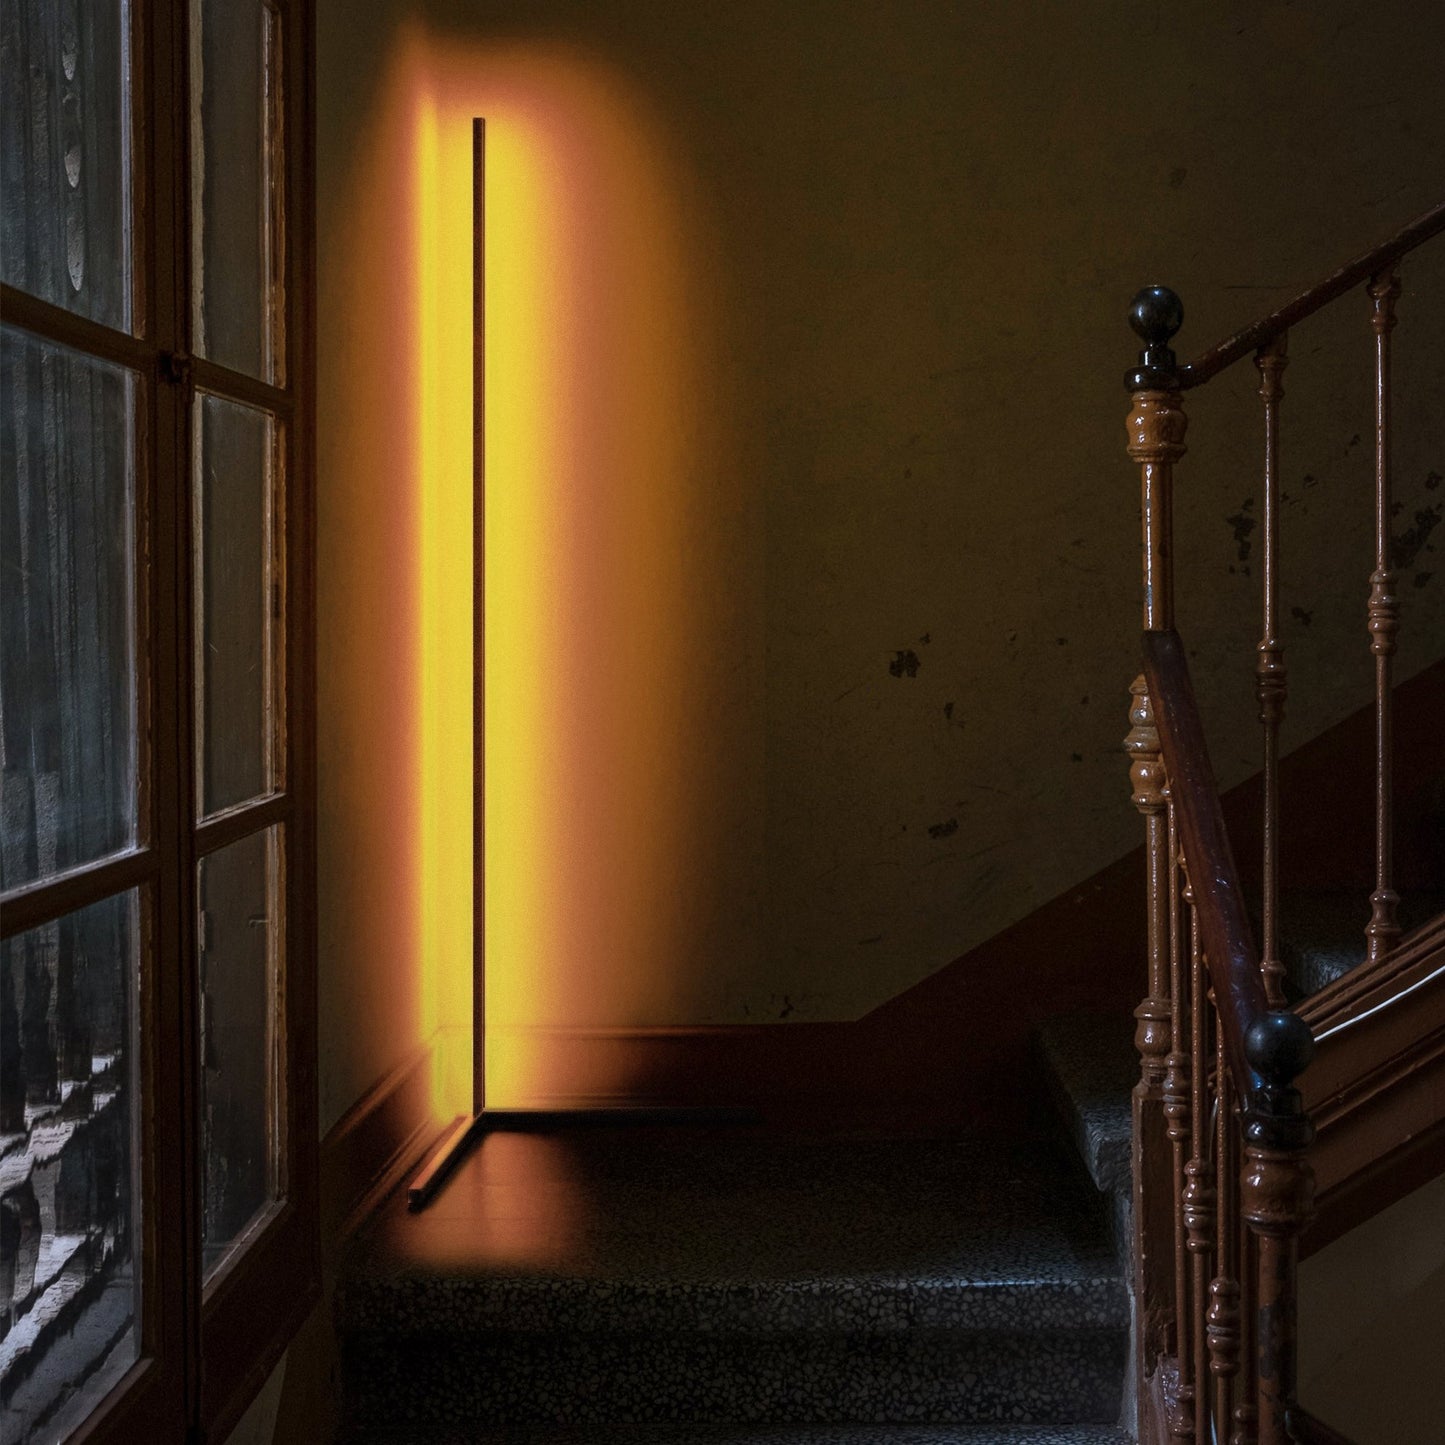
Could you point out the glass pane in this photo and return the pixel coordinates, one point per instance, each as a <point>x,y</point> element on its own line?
<point>237,591</point>
<point>241,939</point>
<point>65,154</point>
<point>235,184</point>
<point>67,710</point>
<point>69,1202</point>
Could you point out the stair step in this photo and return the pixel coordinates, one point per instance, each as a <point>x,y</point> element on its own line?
<point>1092,1067</point>
<point>715,1278</point>
<point>923,1376</point>
<point>759,1435</point>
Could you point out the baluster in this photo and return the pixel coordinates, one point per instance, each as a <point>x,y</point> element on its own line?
<point>1277,1201</point>
<point>1153,1195</point>
<point>1155,426</point>
<point>1271,682</point>
<point>1178,1113</point>
<point>1223,1328</point>
<point>1246,1415</point>
<point>1384,623</point>
<point>1198,1193</point>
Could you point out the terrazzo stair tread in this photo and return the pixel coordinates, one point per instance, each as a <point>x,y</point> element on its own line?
<point>725,1307</point>
<point>754,1238</point>
<point>1322,933</point>
<point>924,1377</point>
<point>1092,1066</point>
<point>707,1277</point>
<point>757,1435</point>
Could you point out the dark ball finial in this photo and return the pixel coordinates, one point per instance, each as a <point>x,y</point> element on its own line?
<point>1156,313</point>
<point>1279,1047</point>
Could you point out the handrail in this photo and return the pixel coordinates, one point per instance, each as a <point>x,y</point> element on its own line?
<point>1362,268</point>
<point>1229,948</point>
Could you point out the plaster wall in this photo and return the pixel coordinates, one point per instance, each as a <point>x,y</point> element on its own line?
<point>1372,1315</point>
<point>904,559</point>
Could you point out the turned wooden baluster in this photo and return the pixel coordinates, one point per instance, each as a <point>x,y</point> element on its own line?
<point>1277,1196</point>
<point>1198,1199</point>
<point>1271,682</point>
<point>1246,1413</point>
<point>1153,1194</point>
<point>1384,623</point>
<point>1155,426</point>
<point>1177,1112</point>
<point>1222,1329</point>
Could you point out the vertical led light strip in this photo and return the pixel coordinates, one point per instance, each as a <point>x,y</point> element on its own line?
<point>479,618</point>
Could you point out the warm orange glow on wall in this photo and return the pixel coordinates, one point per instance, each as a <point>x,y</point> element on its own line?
<point>593,426</point>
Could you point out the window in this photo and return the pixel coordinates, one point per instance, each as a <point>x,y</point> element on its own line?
<point>157,1031</point>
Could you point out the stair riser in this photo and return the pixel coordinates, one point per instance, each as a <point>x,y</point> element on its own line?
<point>745,1435</point>
<point>1040,1378</point>
<point>400,1305</point>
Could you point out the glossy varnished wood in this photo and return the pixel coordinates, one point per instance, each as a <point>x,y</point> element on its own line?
<point>1384,624</point>
<point>1157,1157</point>
<point>1271,679</point>
<point>1224,921</point>
<point>1376,1091</point>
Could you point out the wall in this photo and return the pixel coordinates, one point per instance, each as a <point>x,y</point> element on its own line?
<point>258,1425</point>
<point>813,556</point>
<point>1372,1315</point>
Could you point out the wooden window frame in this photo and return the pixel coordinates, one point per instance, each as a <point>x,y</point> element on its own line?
<point>205,1347</point>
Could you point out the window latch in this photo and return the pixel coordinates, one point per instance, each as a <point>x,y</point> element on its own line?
<point>176,367</point>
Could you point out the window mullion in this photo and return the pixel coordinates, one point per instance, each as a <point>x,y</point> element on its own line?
<point>44,901</point>
<point>69,328</point>
<point>237,386</point>
<point>172,777</point>
<point>230,827</point>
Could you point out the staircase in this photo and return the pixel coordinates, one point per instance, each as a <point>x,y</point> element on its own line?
<point>735,1287</point>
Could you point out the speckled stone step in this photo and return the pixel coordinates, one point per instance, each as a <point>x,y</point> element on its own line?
<point>703,1278</point>
<point>923,1376</point>
<point>1092,1067</point>
<point>760,1435</point>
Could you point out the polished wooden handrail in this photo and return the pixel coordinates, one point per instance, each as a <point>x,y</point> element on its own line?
<point>1362,268</point>
<point>1229,947</point>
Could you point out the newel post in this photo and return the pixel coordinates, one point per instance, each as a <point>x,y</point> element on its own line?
<point>1277,1201</point>
<point>1156,440</point>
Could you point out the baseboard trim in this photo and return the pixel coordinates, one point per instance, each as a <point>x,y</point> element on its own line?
<point>714,1067</point>
<point>373,1146</point>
